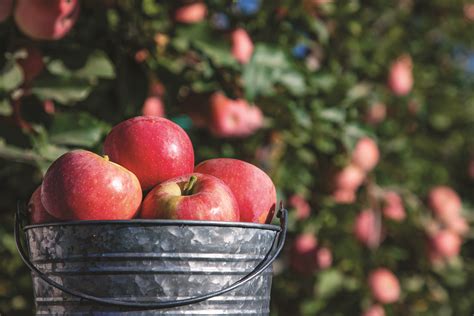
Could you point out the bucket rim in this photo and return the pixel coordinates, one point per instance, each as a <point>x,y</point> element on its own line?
<point>157,222</point>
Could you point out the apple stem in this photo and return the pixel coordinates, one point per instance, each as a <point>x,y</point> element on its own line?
<point>189,186</point>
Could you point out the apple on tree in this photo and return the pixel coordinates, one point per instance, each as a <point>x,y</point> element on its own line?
<point>81,185</point>
<point>191,197</point>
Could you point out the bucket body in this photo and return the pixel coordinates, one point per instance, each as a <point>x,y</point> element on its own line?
<point>148,262</point>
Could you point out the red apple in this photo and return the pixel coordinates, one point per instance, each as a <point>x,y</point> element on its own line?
<point>253,189</point>
<point>191,13</point>
<point>191,197</point>
<point>374,310</point>
<point>368,229</point>
<point>393,206</point>
<point>36,211</point>
<point>81,185</point>
<point>6,7</point>
<point>444,202</point>
<point>153,106</point>
<point>446,243</point>
<point>400,78</point>
<point>46,20</point>
<point>384,286</point>
<point>324,258</point>
<point>153,148</point>
<point>303,253</point>
<point>349,178</point>
<point>365,154</point>
<point>242,46</point>
<point>32,64</point>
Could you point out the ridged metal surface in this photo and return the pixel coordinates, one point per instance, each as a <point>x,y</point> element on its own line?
<point>149,263</point>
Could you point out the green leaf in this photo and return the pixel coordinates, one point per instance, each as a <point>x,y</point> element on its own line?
<point>10,152</point>
<point>329,282</point>
<point>61,89</point>
<point>11,76</point>
<point>97,65</point>
<point>5,107</point>
<point>77,129</point>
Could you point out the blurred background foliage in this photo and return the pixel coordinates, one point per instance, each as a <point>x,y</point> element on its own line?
<point>317,70</point>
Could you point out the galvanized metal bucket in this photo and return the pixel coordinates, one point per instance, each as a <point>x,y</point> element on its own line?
<point>151,267</point>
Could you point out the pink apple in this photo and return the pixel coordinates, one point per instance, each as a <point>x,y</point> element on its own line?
<point>36,211</point>
<point>469,11</point>
<point>376,113</point>
<point>6,7</point>
<point>384,286</point>
<point>342,196</point>
<point>368,229</point>
<point>365,154</point>
<point>253,189</point>
<point>191,13</point>
<point>303,253</point>
<point>444,202</point>
<point>153,106</point>
<point>32,64</point>
<point>153,148</point>
<point>303,209</point>
<point>46,20</point>
<point>393,206</point>
<point>324,258</point>
<point>191,197</point>
<point>446,243</point>
<point>458,225</point>
<point>374,310</point>
<point>400,78</point>
<point>349,178</point>
<point>81,185</point>
<point>242,46</point>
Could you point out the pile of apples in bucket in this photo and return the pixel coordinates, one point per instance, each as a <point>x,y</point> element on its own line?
<point>148,172</point>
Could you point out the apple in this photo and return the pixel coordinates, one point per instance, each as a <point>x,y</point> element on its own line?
<point>384,286</point>
<point>468,10</point>
<point>349,178</point>
<point>303,253</point>
<point>252,187</point>
<point>6,7</point>
<point>32,64</point>
<point>36,211</point>
<point>446,243</point>
<point>303,209</point>
<point>191,197</point>
<point>367,229</point>
<point>342,196</point>
<point>46,20</point>
<point>365,154</point>
<point>458,225</point>
<point>232,118</point>
<point>153,106</point>
<point>444,202</point>
<point>393,206</point>
<point>374,310</point>
<point>153,148</point>
<point>81,185</point>
<point>376,113</point>
<point>324,258</point>
<point>242,46</point>
<point>191,13</point>
<point>400,78</point>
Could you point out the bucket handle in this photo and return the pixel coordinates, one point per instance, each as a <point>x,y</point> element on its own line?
<point>278,243</point>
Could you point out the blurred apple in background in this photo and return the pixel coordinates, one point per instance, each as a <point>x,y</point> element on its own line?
<point>444,202</point>
<point>400,78</point>
<point>191,13</point>
<point>46,20</point>
<point>393,206</point>
<point>365,154</point>
<point>153,106</point>
<point>446,243</point>
<point>374,310</point>
<point>368,229</point>
<point>191,197</point>
<point>324,258</point>
<point>242,45</point>
<point>384,286</point>
<point>303,253</point>
<point>376,113</point>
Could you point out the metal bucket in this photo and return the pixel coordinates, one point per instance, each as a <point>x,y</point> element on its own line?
<point>151,267</point>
